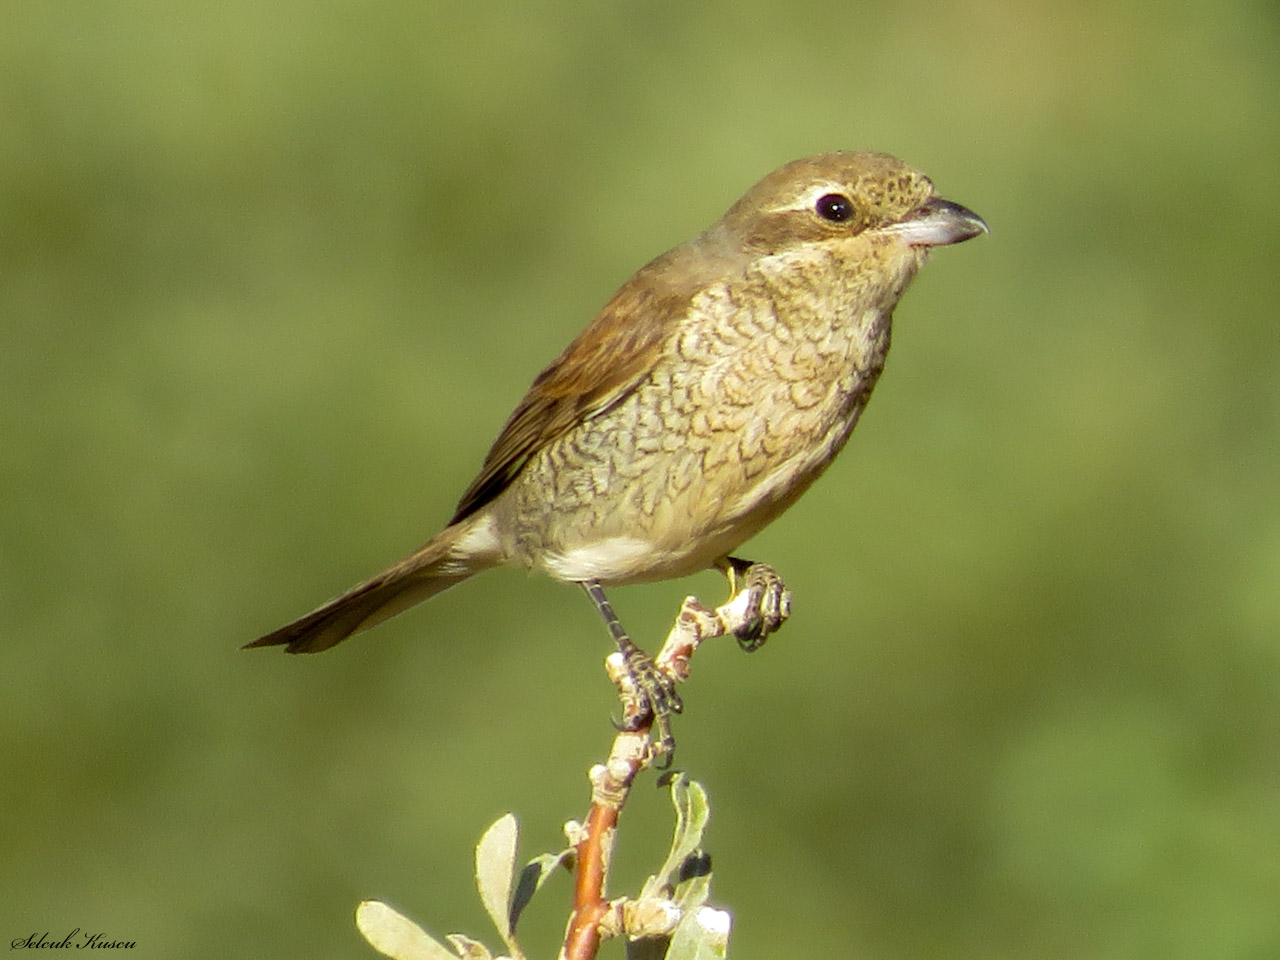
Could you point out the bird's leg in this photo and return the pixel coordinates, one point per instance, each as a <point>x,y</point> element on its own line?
<point>768,599</point>
<point>657,689</point>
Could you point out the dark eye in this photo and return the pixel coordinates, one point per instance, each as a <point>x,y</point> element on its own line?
<point>835,207</point>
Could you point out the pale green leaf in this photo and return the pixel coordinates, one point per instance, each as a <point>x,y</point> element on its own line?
<point>703,934</point>
<point>396,936</point>
<point>692,812</point>
<point>692,894</point>
<point>495,864</point>
<point>532,877</point>
<point>467,948</point>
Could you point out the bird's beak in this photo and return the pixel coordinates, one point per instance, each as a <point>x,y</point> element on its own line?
<point>938,222</point>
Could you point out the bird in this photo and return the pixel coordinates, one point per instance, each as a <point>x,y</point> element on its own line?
<point>704,398</point>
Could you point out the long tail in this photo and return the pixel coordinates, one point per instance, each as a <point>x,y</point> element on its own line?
<point>441,563</point>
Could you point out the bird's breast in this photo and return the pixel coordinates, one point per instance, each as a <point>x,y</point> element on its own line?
<point>755,393</point>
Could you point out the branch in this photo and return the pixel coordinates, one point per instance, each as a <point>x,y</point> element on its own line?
<point>633,750</point>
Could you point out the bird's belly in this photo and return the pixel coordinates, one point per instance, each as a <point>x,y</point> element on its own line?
<point>667,513</point>
<point>693,463</point>
<point>620,560</point>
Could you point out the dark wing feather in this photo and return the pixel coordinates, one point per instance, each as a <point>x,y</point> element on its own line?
<point>603,365</point>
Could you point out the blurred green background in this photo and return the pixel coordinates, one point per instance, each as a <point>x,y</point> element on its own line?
<point>273,274</point>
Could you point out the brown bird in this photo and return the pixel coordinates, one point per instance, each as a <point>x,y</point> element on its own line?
<point>706,396</point>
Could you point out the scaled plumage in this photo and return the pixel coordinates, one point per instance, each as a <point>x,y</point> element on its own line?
<point>708,394</point>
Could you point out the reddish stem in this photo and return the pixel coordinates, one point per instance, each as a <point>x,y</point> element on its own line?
<point>589,905</point>
<point>611,782</point>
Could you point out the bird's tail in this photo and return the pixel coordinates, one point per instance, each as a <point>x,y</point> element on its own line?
<point>438,565</point>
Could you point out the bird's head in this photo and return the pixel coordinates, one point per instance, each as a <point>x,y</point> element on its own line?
<point>844,195</point>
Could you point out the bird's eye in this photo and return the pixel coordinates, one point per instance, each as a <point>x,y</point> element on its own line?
<point>835,207</point>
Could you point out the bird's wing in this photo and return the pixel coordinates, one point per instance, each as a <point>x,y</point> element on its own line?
<point>608,360</point>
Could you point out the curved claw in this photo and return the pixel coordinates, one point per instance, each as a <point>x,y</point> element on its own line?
<point>768,601</point>
<point>654,694</point>
<point>657,688</point>
<point>658,699</point>
<point>655,700</point>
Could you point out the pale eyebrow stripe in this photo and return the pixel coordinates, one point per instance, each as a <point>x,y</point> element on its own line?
<point>807,199</point>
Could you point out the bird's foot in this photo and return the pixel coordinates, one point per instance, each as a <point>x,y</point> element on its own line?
<point>652,698</point>
<point>768,602</point>
<point>656,700</point>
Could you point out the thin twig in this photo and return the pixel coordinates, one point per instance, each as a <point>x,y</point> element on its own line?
<point>632,751</point>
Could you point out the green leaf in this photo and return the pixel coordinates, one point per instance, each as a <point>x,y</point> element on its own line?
<point>396,936</point>
<point>703,934</point>
<point>691,894</point>
<point>532,877</point>
<point>495,867</point>
<point>495,863</point>
<point>467,948</point>
<point>692,813</point>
